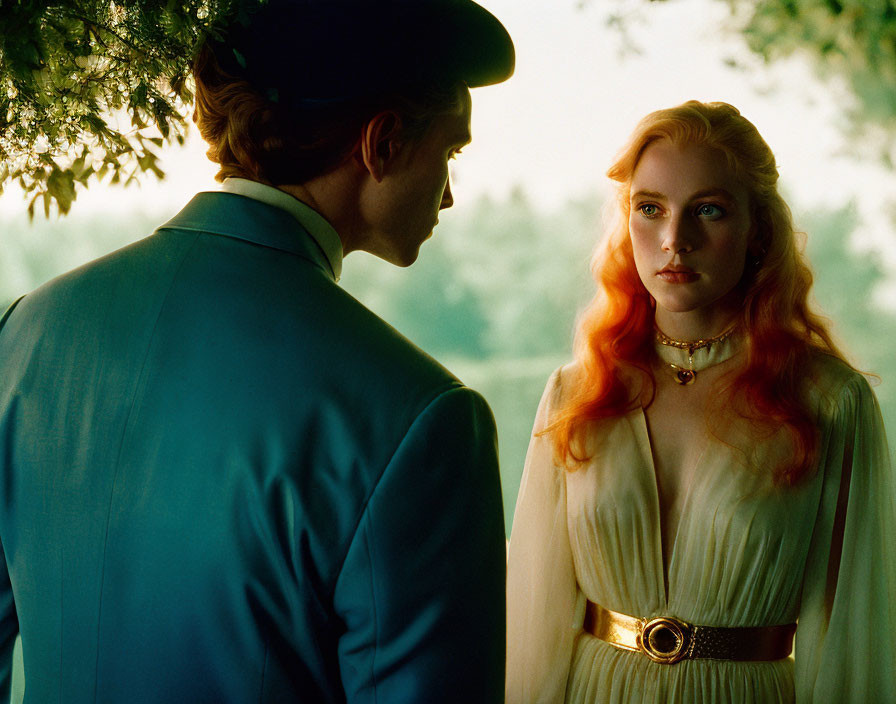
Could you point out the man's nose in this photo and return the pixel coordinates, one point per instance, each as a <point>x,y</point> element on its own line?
<point>680,235</point>
<point>447,198</point>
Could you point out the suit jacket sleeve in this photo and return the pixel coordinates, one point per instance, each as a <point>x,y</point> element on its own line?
<point>421,591</point>
<point>9,623</point>
<point>9,629</point>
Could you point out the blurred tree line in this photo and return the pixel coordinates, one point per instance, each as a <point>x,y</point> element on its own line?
<point>496,292</point>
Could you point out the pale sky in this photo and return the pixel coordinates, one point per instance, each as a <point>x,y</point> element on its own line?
<point>556,125</point>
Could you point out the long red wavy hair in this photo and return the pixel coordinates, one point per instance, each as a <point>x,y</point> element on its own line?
<point>614,340</point>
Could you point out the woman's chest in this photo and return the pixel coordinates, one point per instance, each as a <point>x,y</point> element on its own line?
<point>734,529</point>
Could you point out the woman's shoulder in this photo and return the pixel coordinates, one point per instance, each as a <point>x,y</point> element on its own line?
<point>833,382</point>
<point>572,376</point>
<point>564,381</point>
<point>566,377</point>
<point>559,384</point>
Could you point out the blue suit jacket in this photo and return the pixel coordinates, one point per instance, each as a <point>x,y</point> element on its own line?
<point>222,479</point>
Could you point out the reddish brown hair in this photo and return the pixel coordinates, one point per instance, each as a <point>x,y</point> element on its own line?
<point>254,137</point>
<point>615,335</point>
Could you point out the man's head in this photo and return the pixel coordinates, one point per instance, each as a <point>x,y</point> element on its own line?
<point>406,180</point>
<point>369,96</point>
<point>253,137</point>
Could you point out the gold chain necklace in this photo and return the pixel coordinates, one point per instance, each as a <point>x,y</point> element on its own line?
<point>716,353</point>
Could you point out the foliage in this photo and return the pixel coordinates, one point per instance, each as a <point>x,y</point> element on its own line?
<point>71,71</point>
<point>854,40</point>
<point>850,40</point>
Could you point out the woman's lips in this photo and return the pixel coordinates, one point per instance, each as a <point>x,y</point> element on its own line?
<point>678,276</point>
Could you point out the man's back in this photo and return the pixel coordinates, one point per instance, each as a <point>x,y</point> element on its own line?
<point>223,479</point>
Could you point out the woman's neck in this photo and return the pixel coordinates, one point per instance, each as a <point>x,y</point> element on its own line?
<point>693,325</point>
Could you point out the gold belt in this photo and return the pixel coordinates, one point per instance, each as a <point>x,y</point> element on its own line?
<point>668,640</point>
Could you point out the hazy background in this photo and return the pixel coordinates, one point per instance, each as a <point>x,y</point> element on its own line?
<point>496,292</point>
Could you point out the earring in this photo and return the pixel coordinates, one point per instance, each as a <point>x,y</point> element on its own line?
<point>758,257</point>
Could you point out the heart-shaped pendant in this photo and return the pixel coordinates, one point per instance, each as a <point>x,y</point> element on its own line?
<point>685,376</point>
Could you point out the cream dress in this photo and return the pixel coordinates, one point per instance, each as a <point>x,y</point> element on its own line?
<point>745,553</point>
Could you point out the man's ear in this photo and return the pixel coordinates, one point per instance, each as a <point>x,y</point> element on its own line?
<point>380,142</point>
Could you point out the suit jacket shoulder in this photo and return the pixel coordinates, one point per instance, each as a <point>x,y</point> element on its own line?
<point>208,399</point>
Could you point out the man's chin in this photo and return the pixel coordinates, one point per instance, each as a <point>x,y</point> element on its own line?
<point>401,259</point>
<point>409,257</point>
<point>400,256</point>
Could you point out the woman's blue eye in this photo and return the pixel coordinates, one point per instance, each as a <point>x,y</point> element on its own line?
<point>648,210</point>
<point>710,211</point>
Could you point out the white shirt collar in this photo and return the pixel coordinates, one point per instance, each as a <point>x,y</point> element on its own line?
<point>320,230</point>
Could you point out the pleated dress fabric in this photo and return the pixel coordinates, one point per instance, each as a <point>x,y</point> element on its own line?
<point>745,553</point>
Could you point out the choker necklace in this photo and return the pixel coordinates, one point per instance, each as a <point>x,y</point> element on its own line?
<point>687,357</point>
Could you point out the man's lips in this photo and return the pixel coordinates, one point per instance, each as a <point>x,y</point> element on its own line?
<point>678,274</point>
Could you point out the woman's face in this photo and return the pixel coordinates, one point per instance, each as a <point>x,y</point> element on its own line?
<point>690,227</point>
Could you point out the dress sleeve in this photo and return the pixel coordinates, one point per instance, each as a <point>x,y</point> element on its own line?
<point>846,636</point>
<point>541,583</point>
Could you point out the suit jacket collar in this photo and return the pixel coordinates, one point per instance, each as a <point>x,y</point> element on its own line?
<point>239,217</point>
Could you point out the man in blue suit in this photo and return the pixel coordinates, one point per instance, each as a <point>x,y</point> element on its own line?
<point>222,479</point>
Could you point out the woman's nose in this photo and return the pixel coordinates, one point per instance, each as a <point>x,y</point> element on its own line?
<point>679,235</point>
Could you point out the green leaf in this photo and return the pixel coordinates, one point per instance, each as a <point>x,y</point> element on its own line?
<point>77,166</point>
<point>85,175</point>
<point>148,162</point>
<point>61,186</point>
<point>31,207</point>
<point>94,123</point>
<point>137,119</point>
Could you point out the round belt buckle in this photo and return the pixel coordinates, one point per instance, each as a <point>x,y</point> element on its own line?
<point>664,640</point>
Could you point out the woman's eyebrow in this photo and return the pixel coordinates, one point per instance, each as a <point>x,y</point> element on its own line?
<point>648,194</point>
<point>713,192</point>
<point>705,193</point>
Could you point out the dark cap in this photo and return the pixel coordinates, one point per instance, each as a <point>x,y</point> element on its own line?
<point>298,50</point>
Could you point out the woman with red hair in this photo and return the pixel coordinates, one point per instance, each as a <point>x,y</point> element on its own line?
<point>709,480</point>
